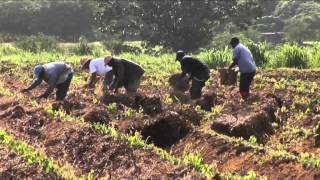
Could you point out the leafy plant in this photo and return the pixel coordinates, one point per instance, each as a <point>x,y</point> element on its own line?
<point>38,43</point>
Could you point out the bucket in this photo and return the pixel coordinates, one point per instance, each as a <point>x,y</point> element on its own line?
<point>227,77</point>
<point>178,83</point>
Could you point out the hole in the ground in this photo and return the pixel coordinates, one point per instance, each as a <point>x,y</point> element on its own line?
<point>167,130</point>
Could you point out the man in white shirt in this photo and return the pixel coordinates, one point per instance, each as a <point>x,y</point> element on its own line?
<point>96,68</point>
<point>243,58</point>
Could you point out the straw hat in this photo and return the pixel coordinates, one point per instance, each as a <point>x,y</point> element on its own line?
<point>84,61</point>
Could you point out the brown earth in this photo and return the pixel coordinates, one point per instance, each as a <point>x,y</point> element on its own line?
<point>12,166</point>
<point>88,150</point>
<point>240,159</point>
<point>245,119</point>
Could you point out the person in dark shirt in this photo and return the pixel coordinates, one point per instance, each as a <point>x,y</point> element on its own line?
<point>57,74</point>
<point>198,71</point>
<point>126,73</point>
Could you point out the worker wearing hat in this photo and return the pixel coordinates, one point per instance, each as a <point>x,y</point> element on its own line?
<point>56,74</point>
<point>97,68</point>
<point>243,58</point>
<point>127,74</point>
<point>198,71</point>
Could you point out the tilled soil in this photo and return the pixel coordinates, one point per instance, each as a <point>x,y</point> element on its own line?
<point>172,127</point>
<point>13,166</point>
<point>88,150</point>
<point>251,118</point>
<point>239,159</point>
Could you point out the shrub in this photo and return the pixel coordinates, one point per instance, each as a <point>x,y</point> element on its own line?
<point>117,46</point>
<point>215,58</point>
<point>315,56</point>
<point>83,47</point>
<point>258,51</point>
<point>290,56</point>
<point>38,43</point>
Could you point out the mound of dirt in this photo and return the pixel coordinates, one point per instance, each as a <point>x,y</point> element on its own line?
<point>190,115</point>
<point>7,102</point>
<point>167,130</point>
<point>14,166</point>
<point>207,101</point>
<point>13,112</point>
<point>97,115</point>
<point>124,99</point>
<point>179,96</point>
<point>150,105</point>
<point>112,158</point>
<point>178,83</point>
<point>68,106</point>
<point>248,119</point>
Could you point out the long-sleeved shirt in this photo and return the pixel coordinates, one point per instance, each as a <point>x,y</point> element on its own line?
<point>54,73</point>
<point>194,67</point>
<point>243,58</point>
<point>125,71</point>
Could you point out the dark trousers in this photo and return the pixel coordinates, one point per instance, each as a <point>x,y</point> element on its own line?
<point>197,85</point>
<point>63,88</point>
<point>245,82</point>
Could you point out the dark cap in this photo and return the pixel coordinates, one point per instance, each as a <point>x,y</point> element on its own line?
<point>179,55</point>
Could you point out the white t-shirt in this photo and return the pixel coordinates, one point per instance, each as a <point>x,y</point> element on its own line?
<point>245,59</point>
<point>97,66</point>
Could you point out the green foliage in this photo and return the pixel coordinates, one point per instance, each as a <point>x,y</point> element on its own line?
<point>290,56</point>
<point>83,47</point>
<point>172,25</point>
<point>196,160</point>
<point>259,53</point>
<point>301,19</point>
<point>33,156</point>
<point>215,58</point>
<point>38,43</point>
<point>66,19</point>
<point>111,108</point>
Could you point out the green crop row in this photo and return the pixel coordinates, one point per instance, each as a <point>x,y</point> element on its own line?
<point>33,156</point>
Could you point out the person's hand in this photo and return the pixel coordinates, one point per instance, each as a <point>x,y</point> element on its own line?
<point>24,90</point>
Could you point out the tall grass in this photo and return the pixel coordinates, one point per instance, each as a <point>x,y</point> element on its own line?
<point>315,56</point>
<point>291,56</point>
<point>285,55</point>
<point>216,58</point>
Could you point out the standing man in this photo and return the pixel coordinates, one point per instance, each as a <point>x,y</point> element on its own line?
<point>242,57</point>
<point>57,75</point>
<point>199,73</point>
<point>96,68</point>
<point>127,74</point>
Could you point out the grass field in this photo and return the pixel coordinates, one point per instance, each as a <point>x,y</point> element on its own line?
<point>275,135</point>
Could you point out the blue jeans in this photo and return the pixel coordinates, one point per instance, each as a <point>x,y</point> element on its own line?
<point>63,88</point>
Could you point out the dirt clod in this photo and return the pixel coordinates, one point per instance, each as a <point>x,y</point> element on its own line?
<point>97,115</point>
<point>13,112</point>
<point>150,105</point>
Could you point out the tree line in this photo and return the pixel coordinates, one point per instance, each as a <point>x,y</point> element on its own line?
<point>178,24</point>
